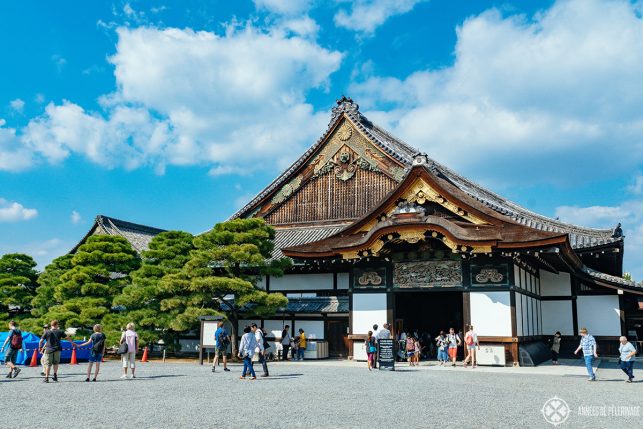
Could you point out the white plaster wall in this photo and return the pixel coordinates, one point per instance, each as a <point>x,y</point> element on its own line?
<point>368,309</point>
<point>342,281</point>
<point>557,316</point>
<point>301,282</point>
<point>555,284</point>
<point>491,313</point>
<point>273,328</point>
<point>519,314</point>
<point>313,329</point>
<point>599,314</point>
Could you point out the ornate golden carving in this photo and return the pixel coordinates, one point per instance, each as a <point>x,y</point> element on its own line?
<point>287,190</point>
<point>345,132</point>
<point>412,236</point>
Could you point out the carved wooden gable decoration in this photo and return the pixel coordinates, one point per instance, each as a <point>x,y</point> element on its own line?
<point>347,177</point>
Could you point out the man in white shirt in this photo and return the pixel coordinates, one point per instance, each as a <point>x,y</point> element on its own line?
<point>262,350</point>
<point>384,333</point>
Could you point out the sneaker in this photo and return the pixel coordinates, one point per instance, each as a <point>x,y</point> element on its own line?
<point>124,376</point>
<point>133,376</point>
<point>9,375</point>
<point>213,369</point>
<point>264,375</point>
<point>253,378</point>
<point>629,380</point>
<point>242,378</point>
<point>87,379</point>
<point>94,379</point>
<point>55,378</point>
<point>226,369</point>
<point>16,372</point>
<point>45,380</point>
<point>42,373</point>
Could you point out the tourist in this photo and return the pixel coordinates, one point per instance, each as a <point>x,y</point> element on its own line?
<point>130,338</point>
<point>221,341</point>
<point>45,328</point>
<point>97,340</point>
<point>410,350</point>
<point>14,340</point>
<point>555,348</point>
<point>246,352</point>
<point>454,343</point>
<point>384,333</point>
<point>442,343</point>
<point>261,344</point>
<point>301,344</point>
<point>371,349</point>
<point>471,340</point>
<point>418,350</point>
<point>588,345</point>
<point>51,351</point>
<point>285,342</point>
<point>628,356</point>
<point>374,335</point>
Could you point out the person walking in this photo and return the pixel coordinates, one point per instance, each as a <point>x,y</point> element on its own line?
<point>410,350</point>
<point>375,337</point>
<point>261,345</point>
<point>301,344</point>
<point>371,350</point>
<point>45,328</point>
<point>588,345</point>
<point>285,342</point>
<point>418,350</point>
<point>442,344</point>
<point>221,341</point>
<point>130,338</point>
<point>471,340</point>
<point>627,358</point>
<point>555,348</point>
<point>14,340</point>
<point>246,352</point>
<point>454,343</point>
<point>52,339</point>
<point>96,352</point>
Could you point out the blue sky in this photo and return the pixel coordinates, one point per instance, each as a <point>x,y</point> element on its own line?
<point>174,114</point>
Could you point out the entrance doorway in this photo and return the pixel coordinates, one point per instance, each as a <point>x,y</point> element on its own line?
<point>428,313</point>
<point>337,338</point>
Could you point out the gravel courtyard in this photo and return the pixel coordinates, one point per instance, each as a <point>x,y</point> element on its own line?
<point>324,394</point>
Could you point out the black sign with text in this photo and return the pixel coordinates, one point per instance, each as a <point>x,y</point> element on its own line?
<point>386,355</point>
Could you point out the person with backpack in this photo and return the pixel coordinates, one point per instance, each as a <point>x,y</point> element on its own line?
<point>442,344</point>
<point>53,339</point>
<point>14,339</point>
<point>371,350</point>
<point>285,342</point>
<point>96,352</point>
<point>221,342</point>
<point>262,345</point>
<point>129,337</point>
<point>454,342</point>
<point>471,341</point>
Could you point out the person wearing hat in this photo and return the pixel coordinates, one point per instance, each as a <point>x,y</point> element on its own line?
<point>588,345</point>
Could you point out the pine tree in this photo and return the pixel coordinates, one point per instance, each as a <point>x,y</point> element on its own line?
<point>222,273</point>
<point>99,271</point>
<point>18,282</point>
<point>144,299</point>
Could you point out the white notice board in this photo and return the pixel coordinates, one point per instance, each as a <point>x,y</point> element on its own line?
<point>207,334</point>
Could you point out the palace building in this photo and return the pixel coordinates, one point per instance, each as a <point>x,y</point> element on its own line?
<point>382,233</point>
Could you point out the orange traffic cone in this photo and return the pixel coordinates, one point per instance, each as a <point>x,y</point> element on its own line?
<point>144,355</point>
<point>73,357</point>
<point>34,358</point>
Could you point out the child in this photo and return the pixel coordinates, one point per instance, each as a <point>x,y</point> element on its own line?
<point>97,340</point>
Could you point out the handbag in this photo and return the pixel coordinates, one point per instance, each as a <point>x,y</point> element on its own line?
<point>122,348</point>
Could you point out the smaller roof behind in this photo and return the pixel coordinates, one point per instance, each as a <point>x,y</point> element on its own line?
<point>139,236</point>
<point>317,304</point>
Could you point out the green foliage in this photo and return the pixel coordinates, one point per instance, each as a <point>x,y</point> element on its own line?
<point>80,288</point>
<point>221,275</point>
<point>18,282</point>
<point>148,305</point>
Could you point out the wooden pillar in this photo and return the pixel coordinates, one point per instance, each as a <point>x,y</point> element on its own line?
<point>515,353</point>
<point>466,310</point>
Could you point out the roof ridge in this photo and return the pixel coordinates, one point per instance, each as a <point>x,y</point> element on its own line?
<point>127,224</point>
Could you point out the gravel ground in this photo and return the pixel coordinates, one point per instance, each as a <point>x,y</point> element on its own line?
<point>324,394</point>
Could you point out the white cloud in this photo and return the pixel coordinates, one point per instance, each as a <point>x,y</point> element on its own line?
<point>283,7</point>
<point>75,217</point>
<point>366,15</point>
<point>235,102</point>
<point>14,156</point>
<point>15,212</point>
<point>553,98</point>
<point>59,62</point>
<point>42,251</point>
<point>18,105</point>
<point>629,213</point>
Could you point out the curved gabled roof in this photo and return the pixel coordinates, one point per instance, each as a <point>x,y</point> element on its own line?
<point>139,236</point>
<point>579,236</point>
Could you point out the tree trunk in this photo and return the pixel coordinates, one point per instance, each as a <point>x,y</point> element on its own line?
<point>234,322</point>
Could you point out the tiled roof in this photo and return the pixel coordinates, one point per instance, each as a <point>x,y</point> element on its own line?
<point>288,237</point>
<point>138,235</point>
<point>319,304</point>
<point>609,278</point>
<point>579,237</point>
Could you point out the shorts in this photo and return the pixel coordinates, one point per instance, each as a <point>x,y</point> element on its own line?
<point>471,347</point>
<point>221,352</point>
<point>409,353</point>
<point>95,357</point>
<point>453,352</point>
<point>129,357</point>
<point>10,355</point>
<point>51,358</point>
<point>371,357</point>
